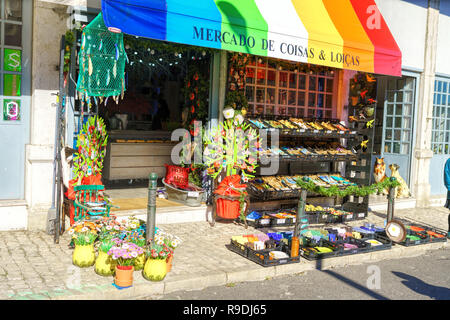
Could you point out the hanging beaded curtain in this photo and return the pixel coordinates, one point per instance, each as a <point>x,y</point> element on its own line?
<point>102,63</point>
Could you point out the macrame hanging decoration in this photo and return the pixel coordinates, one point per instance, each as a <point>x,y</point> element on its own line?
<point>102,61</point>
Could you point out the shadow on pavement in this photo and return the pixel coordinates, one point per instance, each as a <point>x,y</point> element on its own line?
<point>350,282</point>
<point>423,288</point>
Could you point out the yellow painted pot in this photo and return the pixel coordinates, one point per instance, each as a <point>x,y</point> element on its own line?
<point>155,269</point>
<point>83,256</point>
<point>139,262</point>
<point>104,264</point>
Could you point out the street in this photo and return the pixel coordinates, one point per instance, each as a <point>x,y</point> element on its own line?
<point>420,278</point>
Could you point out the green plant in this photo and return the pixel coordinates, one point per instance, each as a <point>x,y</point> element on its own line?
<point>91,144</point>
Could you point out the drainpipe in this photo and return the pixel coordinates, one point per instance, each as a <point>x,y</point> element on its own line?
<point>422,150</point>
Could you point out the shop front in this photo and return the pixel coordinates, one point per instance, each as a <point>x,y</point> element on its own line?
<point>297,68</point>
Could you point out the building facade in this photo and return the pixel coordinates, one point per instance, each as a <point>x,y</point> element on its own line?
<point>413,111</point>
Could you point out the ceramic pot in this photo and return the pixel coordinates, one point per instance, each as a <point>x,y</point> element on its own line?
<point>83,256</point>
<point>139,262</point>
<point>124,276</point>
<point>155,269</point>
<point>104,264</point>
<point>169,263</point>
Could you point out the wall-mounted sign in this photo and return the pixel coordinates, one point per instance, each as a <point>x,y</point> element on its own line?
<point>11,85</point>
<point>11,110</point>
<point>12,60</point>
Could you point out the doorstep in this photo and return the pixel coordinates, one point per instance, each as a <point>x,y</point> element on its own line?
<point>168,215</point>
<point>379,203</point>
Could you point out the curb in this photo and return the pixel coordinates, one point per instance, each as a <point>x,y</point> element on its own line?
<point>190,282</point>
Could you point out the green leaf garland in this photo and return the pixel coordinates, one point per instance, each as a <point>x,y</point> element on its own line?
<point>335,191</point>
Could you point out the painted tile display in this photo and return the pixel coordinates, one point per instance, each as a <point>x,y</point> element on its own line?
<point>11,85</point>
<point>11,110</point>
<point>12,60</point>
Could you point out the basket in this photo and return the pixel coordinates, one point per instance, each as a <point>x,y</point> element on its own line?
<point>189,198</point>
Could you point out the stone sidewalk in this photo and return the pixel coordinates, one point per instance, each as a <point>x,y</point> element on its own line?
<point>32,267</point>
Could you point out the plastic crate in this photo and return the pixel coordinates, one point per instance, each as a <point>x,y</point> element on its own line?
<point>306,252</point>
<point>433,238</point>
<point>360,215</point>
<point>386,242</point>
<point>362,247</point>
<point>262,257</point>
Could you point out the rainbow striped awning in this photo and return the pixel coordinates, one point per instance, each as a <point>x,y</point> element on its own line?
<point>346,34</point>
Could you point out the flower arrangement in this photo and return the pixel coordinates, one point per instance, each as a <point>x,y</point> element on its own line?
<point>84,232</point>
<point>231,147</point>
<point>124,252</point>
<point>168,239</point>
<point>91,144</point>
<point>159,250</point>
<point>109,227</point>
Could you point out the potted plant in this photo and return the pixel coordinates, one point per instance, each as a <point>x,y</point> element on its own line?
<point>155,268</point>
<point>104,264</point>
<point>140,241</point>
<point>170,241</point>
<point>231,148</point>
<point>83,234</point>
<point>124,253</point>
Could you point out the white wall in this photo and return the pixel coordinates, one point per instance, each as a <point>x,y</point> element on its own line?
<point>49,24</point>
<point>407,22</point>
<point>443,46</point>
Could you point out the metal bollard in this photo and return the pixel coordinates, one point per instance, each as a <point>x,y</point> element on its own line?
<point>151,207</point>
<point>301,214</point>
<point>390,208</point>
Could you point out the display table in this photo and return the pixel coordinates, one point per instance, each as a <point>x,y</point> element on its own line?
<point>135,154</point>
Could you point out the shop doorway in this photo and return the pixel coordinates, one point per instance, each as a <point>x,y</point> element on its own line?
<point>396,98</point>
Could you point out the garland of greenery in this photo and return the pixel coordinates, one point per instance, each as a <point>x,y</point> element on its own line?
<point>335,191</point>
<point>196,91</point>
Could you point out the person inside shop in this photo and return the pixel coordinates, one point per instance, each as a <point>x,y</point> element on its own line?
<point>447,185</point>
<point>160,111</point>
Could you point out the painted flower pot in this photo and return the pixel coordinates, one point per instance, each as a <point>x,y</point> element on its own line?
<point>169,263</point>
<point>139,262</point>
<point>228,209</point>
<point>83,256</point>
<point>104,264</point>
<point>155,269</point>
<point>124,276</point>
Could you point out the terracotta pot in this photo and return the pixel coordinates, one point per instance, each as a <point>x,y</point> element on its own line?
<point>169,263</point>
<point>104,264</point>
<point>124,276</point>
<point>139,262</point>
<point>155,269</point>
<point>228,209</point>
<point>83,256</point>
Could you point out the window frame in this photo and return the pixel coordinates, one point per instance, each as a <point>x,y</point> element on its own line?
<point>278,108</point>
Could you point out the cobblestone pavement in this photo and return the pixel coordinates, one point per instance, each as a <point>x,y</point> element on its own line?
<point>33,267</point>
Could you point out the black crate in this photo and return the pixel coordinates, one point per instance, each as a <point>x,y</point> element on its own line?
<point>362,246</point>
<point>434,238</point>
<point>259,223</point>
<point>262,257</point>
<point>386,242</point>
<point>308,244</point>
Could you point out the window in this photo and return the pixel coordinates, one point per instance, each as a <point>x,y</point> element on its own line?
<point>440,133</point>
<point>271,90</point>
<point>11,60</point>
<point>398,121</point>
